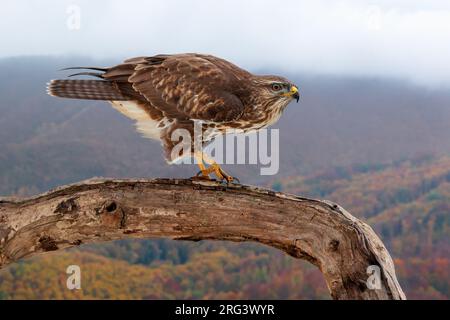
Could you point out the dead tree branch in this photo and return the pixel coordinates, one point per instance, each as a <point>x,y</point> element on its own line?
<point>323,233</point>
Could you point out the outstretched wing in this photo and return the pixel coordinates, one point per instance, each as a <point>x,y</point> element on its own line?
<point>184,86</point>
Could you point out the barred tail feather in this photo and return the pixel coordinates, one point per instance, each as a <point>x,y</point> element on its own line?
<point>85,89</point>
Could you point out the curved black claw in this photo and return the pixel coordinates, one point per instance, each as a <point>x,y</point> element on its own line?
<point>230,179</point>
<point>225,177</point>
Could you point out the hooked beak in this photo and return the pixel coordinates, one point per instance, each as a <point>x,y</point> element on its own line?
<point>294,93</point>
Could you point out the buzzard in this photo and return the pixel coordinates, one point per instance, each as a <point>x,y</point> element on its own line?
<point>164,93</point>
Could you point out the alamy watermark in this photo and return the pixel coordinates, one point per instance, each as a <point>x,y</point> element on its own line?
<point>374,280</point>
<point>233,147</point>
<point>73,21</point>
<point>74,279</point>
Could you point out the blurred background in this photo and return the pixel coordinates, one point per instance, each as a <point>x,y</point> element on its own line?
<point>372,132</point>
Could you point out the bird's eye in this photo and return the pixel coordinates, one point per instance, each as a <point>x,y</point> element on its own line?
<point>276,87</point>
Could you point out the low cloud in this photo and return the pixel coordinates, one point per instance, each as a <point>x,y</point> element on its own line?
<point>404,39</point>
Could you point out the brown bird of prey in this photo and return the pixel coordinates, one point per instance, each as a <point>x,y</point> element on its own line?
<point>164,93</point>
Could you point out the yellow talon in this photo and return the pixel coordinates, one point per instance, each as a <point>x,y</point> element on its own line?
<point>213,168</point>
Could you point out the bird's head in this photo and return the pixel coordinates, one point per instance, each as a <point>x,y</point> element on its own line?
<point>277,89</point>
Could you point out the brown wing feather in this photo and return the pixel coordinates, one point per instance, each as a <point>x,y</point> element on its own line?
<point>185,86</point>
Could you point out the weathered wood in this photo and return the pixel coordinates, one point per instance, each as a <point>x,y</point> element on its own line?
<point>323,233</point>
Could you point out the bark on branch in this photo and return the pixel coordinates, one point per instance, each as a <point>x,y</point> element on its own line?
<point>323,233</point>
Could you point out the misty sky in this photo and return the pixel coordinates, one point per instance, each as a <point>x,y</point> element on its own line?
<point>409,39</point>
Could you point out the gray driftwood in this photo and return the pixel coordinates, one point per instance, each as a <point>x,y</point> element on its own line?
<point>321,232</point>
